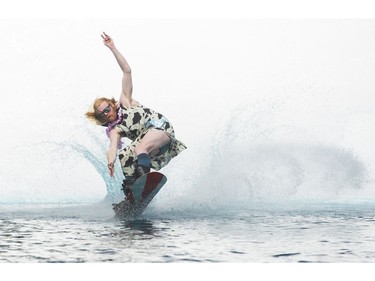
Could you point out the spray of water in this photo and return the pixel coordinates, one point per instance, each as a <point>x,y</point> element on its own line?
<point>246,167</point>
<point>242,167</point>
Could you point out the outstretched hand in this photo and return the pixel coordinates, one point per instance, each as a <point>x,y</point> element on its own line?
<point>107,40</point>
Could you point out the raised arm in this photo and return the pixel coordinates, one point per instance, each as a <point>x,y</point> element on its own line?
<point>127,84</point>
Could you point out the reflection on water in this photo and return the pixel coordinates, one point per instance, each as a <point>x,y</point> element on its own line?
<point>309,234</point>
<point>141,227</point>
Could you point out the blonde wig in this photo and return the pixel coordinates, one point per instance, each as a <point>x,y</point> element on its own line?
<point>93,114</point>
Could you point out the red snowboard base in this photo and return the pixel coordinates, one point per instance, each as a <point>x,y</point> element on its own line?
<point>143,191</point>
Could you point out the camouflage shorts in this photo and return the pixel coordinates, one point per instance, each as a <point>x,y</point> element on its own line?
<point>128,157</point>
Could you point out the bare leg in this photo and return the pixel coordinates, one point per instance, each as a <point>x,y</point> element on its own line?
<point>152,141</point>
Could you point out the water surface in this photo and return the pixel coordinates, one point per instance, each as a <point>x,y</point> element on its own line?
<point>74,233</point>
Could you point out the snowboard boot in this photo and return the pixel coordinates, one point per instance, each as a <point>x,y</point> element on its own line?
<point>127,188</point>
<point>141,170</point>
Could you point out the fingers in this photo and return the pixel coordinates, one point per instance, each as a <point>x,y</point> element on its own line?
<point>111,169</point>
<point>105,36</point>
<point>111,172</point>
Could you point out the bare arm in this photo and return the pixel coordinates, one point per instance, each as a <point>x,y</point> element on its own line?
<point>114,138</point>
<point>127,84</point>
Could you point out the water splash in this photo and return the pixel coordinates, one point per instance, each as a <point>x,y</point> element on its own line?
<point>264,169</point>
<point>67,171</point>
<point>246,166</point>
<point>99,163</point>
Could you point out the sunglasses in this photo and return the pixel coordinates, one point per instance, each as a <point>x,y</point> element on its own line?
<point>104,111</point>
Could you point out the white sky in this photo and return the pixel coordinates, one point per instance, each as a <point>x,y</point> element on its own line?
<point>311,77</point>
<point>318,72</point>
<point>188,9</point>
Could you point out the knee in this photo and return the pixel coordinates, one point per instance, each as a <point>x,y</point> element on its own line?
<point>141,148</point>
